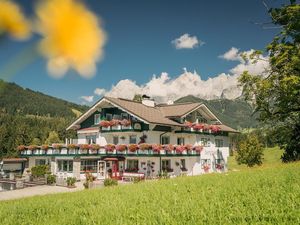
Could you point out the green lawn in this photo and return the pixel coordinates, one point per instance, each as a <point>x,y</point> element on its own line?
<point>251,196</point>
<point>271,159</point>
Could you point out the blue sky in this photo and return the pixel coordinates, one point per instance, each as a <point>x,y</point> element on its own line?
<point>139,43</point>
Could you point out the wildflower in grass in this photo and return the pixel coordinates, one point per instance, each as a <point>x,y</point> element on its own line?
<point>12,21</point>
<point>73,37</point>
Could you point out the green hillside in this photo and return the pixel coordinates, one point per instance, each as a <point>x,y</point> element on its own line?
<point>235,113</point>
<point>26,115</point>
<point>17,100</point>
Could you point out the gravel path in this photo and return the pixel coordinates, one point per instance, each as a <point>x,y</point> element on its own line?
<point>37,190</point>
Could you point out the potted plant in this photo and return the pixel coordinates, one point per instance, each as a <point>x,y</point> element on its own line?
<point>115,124</point>
<point>22,148</point>
<point>188,125</point>
<point>206,168</point>
<point>180,149</point>
<point>198,127</point>
<point>156,148</point>
<point>110,147</point>
<point>51,179</point>
<point>214,128</point>
<point>33,149</point>
<point>57,148</point>
<point>132,147</point>
<point>144,147</point>
<point>105,125</point>
<point>125,124</point>
<point>84,148</point>
<point>121,148</point>
<point>169,148</point>
<point>71,182</point>
<point>198,148</point>
<point>189,148</point>
<point>94,148</point>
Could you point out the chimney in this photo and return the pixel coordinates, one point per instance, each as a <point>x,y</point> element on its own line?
<point>147,101</point>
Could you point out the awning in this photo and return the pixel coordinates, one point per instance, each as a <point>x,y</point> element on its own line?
<point>12,160</point>
<point>119,158</point>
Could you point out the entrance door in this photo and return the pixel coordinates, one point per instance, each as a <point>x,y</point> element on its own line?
<point>101,174</point>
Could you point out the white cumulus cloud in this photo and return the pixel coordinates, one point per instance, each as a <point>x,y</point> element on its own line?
<point>164,88</point>
<point>186,41</point>
<point>87,98</point>
<point>99,91</point>
<point>232,54</point>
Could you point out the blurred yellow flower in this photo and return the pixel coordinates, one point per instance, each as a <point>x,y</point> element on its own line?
<point>12,20</point>
<point>73,37</point>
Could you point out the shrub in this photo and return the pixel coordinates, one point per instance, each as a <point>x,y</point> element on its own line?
<point>110,182</point>
<point>39,171</point>
<point>51,179</point>
<point>71,181</point>
<point>89,178</point>
<point>250,151</point>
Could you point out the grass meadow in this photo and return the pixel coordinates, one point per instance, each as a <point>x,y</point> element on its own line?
<point>269,194</point>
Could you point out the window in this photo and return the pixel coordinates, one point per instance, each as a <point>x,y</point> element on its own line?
<point>108,116</point>
<point>116,117</point>
<point>65,165</point>
<point>205,162</point>
<point>97,118</point>
<point>132,165</point>
<point>89,165</point>
<point>165,164</point>
<point>200,118</point>
<point>124,116</point>
<point>182,163</point>
<point>40,162</point>
<point>91,139</point>
<point>205,142</point>
<point>115,140</point>
<point>132,139</point>
<point>219,143</point>
<point>180,141</point>
<point>165,140</point>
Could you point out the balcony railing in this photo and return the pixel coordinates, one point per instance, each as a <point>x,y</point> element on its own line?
<point>108,150</point>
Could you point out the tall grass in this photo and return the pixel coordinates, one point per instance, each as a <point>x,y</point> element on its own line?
<point>268,196</point>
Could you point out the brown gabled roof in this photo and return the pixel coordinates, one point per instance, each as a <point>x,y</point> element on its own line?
<point>12,160</point>
<point>226,128</point>
<point>178,110</point>
<point>147,113</point>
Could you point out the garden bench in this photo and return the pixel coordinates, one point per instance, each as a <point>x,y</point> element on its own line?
<point>131,176</point>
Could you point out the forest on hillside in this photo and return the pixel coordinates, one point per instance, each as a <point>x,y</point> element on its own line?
<point>27,117</point>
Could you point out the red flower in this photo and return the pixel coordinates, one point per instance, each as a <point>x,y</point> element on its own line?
<point>121,148</point>
<point>110,147</point>
<point>114,122</point>
<point>156,147</point>
<point>168,147</point>
<point>180,148</point>
<point>189,147</point>
<point>45,147</point>
<point>198,126</point>
<point>214,128</point>
<point>198,148</point>
<point>133,147</point>
<point>84,147</point>
<point>188,124</point>
<point>125,122</point>
<point>104,123</point>
<point>32,147</point>
<point>144,146</point>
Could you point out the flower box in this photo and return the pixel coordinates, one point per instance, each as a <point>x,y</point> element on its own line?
<point>72,151</point>
<point>64,151</point>
<point>55,151</point>
<point>117,127</point>
<point>162,152</point>
<point>102,151</point>
<point>105,128</point>
<point>83,151</point>
<point>28,152</point>
<point>143,151</point>
<point>92,151</point>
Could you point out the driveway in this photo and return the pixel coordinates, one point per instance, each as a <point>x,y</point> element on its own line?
<point>37,190</point>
